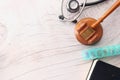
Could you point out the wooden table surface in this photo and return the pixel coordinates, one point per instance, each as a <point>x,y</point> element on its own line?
<point>36,45</point>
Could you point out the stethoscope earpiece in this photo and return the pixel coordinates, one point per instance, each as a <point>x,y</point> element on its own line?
<point>61,17</point>
<point>75,21</point>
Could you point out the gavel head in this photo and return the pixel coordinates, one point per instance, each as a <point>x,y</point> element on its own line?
<point>86,34</point>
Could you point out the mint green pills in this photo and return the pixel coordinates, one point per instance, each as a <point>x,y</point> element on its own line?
<point>96,53</point>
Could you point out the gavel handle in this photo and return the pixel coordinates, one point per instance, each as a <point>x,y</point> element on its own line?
<point>114,6</point>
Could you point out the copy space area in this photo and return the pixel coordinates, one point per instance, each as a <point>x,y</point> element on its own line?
<point>38,46</point>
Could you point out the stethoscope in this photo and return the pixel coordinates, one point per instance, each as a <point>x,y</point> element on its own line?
<point>75,7</point>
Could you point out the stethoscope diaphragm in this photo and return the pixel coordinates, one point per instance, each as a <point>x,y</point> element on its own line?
<point>73,6</point>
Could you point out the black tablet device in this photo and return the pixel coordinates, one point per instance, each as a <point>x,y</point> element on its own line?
<point>103,71</point>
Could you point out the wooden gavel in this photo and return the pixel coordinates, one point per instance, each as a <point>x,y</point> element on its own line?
<point>89,30</point>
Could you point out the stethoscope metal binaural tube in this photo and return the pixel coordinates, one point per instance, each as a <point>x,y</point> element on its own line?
<point>76,8</point>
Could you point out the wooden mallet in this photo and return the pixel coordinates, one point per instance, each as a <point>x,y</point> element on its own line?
<point>89,30</point>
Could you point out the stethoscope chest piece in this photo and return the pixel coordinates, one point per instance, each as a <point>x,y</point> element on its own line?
<point>86,34</point>
<point>73,6</point>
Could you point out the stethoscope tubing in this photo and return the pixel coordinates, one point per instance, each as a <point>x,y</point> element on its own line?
<point>93,3</point>
<point>83,5</point>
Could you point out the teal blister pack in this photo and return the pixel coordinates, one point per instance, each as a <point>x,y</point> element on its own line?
<point>97,53</point>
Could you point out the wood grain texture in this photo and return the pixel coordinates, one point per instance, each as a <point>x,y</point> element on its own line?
<point>41,47</point>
